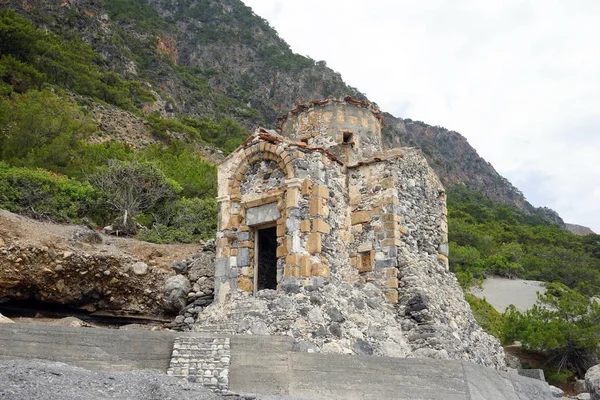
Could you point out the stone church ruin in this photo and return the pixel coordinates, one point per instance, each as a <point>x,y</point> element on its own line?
<point>327,237</point>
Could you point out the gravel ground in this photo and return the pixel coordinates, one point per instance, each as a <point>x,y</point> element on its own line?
<point>502,292</point>
<point>46,380</point>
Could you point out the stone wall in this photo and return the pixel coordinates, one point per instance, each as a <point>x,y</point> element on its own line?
<point>362,243</point>
<point>298,189</point>
<point>349,129</point>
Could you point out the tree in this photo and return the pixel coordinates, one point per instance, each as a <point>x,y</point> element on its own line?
<point>132,187</point>
<point>564,324</point>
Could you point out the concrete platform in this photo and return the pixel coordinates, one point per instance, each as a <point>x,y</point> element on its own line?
<point>266,365</point>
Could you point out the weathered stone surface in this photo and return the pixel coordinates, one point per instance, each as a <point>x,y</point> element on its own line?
<point>592,382</point>
<point>175,290</point>
<point>262,214</point>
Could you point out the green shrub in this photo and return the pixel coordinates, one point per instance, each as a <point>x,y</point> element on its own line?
<point>133,187</point>
<point>197,177</point>
<point>43,194</point>
<point>42,129</point>
<point>486,315</point>
<point>564,324</point>
<point>185,221</point>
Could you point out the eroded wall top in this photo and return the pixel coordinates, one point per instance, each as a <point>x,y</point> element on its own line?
<point>349,129</point>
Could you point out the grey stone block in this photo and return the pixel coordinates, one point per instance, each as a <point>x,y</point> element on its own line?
<point>243,257</point>
<point>262,214</point>
<point>221,267</point>
<point>243,236</point>
<point>533,373</point>
<point>386,263</point>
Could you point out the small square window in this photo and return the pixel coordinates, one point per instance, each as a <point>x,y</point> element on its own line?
<point>348,138</point>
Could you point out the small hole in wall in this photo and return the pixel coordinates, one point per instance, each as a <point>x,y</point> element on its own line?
<point>305,141</point>
<point>348,138</point>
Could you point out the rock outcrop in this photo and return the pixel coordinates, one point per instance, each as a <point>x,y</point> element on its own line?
<point>592,382</point>
<point>80,268</point>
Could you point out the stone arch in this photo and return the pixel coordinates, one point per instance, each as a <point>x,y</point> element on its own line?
<point>269,151</point>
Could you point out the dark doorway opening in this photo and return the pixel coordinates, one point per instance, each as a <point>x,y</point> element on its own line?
<point>267,259</point>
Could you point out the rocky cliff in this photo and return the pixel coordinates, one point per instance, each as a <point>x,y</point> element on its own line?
<point>212,59</point>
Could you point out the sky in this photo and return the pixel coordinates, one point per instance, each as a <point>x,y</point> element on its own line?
<point>519,79</point>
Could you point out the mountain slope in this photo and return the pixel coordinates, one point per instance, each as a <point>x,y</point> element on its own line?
<point>216,59</point>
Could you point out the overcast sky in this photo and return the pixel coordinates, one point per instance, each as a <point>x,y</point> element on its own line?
<point>519,79</point>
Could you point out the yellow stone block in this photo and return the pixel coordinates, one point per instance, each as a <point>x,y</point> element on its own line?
<point>391,242</point>
<point>322,270</point>
<point>316,207</point>
<point>359,217</point>
<point>292,259</point>
<point>390,225</point>
<point>305,225</point>
<point>247,244</point>
<point>320,226</point>
<point>388,182</point>
<point>306,187</point>
<point>320,190</point>
<point>305,269</point>
<point>339,116</point>
<point>245,284</point>
<point>353,120</point>
<point>393,283</point>
<point>391,272</point>
<point>392,296</point>
<point>313,245</point>
<point>391,217</point>
<point>233,252</point>
<point>291,198</point>
<point>280,230</point>
<point>281,250</point>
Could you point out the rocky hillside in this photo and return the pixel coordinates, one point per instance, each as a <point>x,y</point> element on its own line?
<point>216,59</point>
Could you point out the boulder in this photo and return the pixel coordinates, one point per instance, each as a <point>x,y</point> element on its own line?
<point>175,290</point>
<point>592,382</point>
<point>140,268</point>
<point>556,392</point>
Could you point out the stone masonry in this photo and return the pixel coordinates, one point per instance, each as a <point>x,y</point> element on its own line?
<point>361,234</point>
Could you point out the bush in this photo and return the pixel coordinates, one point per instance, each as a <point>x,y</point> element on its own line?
<point>42,194</point>
<point>564,324</point>
<point>42,129</point>
<point>186,221</point>
<point>486,315</point>
<point>132,187</point>
<point>197,177</point>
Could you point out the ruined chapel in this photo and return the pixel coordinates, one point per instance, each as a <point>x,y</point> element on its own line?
<point>321,198</point>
